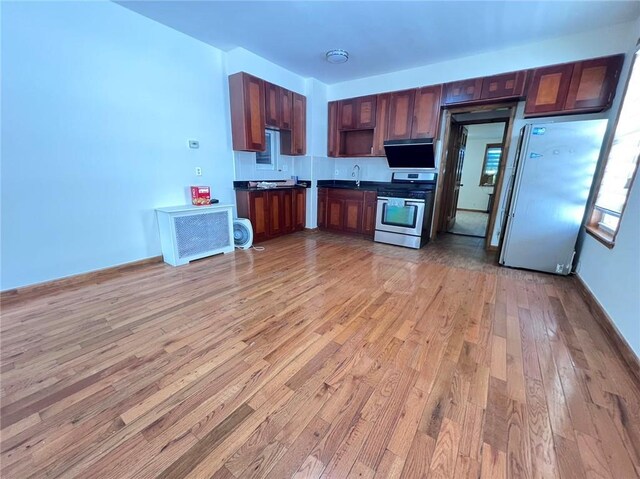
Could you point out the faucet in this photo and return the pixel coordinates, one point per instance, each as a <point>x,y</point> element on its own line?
<point>356,175</point>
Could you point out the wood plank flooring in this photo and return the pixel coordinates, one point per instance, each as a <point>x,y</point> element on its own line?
<point>321,357</point>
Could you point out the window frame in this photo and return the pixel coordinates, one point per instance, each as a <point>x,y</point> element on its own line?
<point>271,152</point>
<point>593,226</point>
<point>484,163</point>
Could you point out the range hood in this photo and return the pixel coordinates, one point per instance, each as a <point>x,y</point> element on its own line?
<point>413,154</point>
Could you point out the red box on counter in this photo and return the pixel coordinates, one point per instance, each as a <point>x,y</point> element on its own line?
<point>200,195</point>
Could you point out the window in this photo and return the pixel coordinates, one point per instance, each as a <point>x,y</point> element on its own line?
<point>620,166</point>
<point>268,159</point>
<point>492,156</point>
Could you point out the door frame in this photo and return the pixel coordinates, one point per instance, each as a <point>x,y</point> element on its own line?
<point>444,171</point>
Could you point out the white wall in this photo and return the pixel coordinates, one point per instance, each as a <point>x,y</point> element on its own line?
<point>98,105</point>
<point>600,42</point>
<point>613,275</point>
<point>472,195</point>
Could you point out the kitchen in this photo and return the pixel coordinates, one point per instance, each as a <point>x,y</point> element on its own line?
<point>404,128</point>
<point>311,349</point>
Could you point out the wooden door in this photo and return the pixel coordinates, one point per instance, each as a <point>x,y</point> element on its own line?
<point>369,213</point>
<point>276,213</point>
<point>254,205</point>
<point>506,85</point>
<point>299,209</point>
<point>272,107</point>
<point>288,211</point>
<point>426,112</point>
<point>286,107</point>
<point>382,121</point>
<point>352,222</point>
<point>593,83</point>
<point>400,115</point>
<point>347,114</point>
<point>453,175</point>
<point>246,94</point>
<point>332,139</point>
<point>548,90</point>
<point>322,207</point>
<point>366,112</point>
<point>462,91</point>
<point>299,132</point>
<point>335,213</point>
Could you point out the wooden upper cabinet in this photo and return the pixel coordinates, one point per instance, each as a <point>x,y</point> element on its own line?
<point>548,90</point>
<point>506,85</point>
<point>400,118</point>
<point>462,91</point>
<point>333,137</point>
<point>357,113</point>
<point>299,127</point>
<point>366,112</point>
<point>272,105</point>
<point>382,122</point>
<point>247,112</point>
<point>593,83</point>
<point>286,106</point>
<point>426,112</point>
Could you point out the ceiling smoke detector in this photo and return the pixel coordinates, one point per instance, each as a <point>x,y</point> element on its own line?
<point>337,56</point>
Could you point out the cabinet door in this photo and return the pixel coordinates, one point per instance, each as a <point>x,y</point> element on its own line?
<point>382,120</point>
<point>288,215</point>
<point>299,133</point>
<point>332,139</point>
<point>400,115</point>
<point>246,94</point>
<point>347,114</point>
<point>507,85</point>
<point>369,213</point>
<point>366,112</point>
<point>462,91</point>
<point>272,108</point>
<point>286,106</point>
<point>259,214</point>
<point>352,222</point>
<point>426,112</point>
<point>322,207</point>
<point>299,209</point>
<point>593,83</point>
<point>548,90</point>
<point>276,209</point>
<point>335,213</point>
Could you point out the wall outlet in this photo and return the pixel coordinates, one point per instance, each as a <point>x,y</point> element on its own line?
<point>195,144</point>
<point>198,171</point>
<point>285,167</point>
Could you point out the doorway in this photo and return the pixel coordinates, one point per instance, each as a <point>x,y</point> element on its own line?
<point>475,149</point>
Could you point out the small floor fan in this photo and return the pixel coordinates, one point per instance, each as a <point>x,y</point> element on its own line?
<point>242,233</point>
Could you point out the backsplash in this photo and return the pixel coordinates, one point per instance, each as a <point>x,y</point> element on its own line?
<point>245,163</point>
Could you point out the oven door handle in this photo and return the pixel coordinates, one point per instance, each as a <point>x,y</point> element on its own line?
<point>406,200</point>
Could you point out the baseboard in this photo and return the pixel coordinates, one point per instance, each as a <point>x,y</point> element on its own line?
<point>81,279</point>
<point>615,338</point>
<point>474,211</point>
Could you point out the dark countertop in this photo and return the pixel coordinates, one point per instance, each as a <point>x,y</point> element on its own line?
<point>244,185</point>
<point>351,184</point>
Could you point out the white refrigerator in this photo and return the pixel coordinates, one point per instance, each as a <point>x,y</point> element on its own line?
<point>549,191</point>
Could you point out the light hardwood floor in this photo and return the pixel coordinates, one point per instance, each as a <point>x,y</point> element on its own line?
<point>322,356</point>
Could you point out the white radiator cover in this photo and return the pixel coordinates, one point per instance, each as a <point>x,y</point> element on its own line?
<point>192,232</point>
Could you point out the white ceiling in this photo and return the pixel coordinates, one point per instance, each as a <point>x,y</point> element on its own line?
<point>380,36</point>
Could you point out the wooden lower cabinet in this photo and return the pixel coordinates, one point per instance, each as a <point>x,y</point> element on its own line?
<point>347,211</point>
<point>272,212</point>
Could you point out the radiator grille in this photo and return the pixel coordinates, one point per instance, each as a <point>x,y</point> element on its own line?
<point>196,234</point>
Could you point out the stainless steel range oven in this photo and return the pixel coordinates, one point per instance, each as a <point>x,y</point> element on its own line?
<point>405,208</point>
